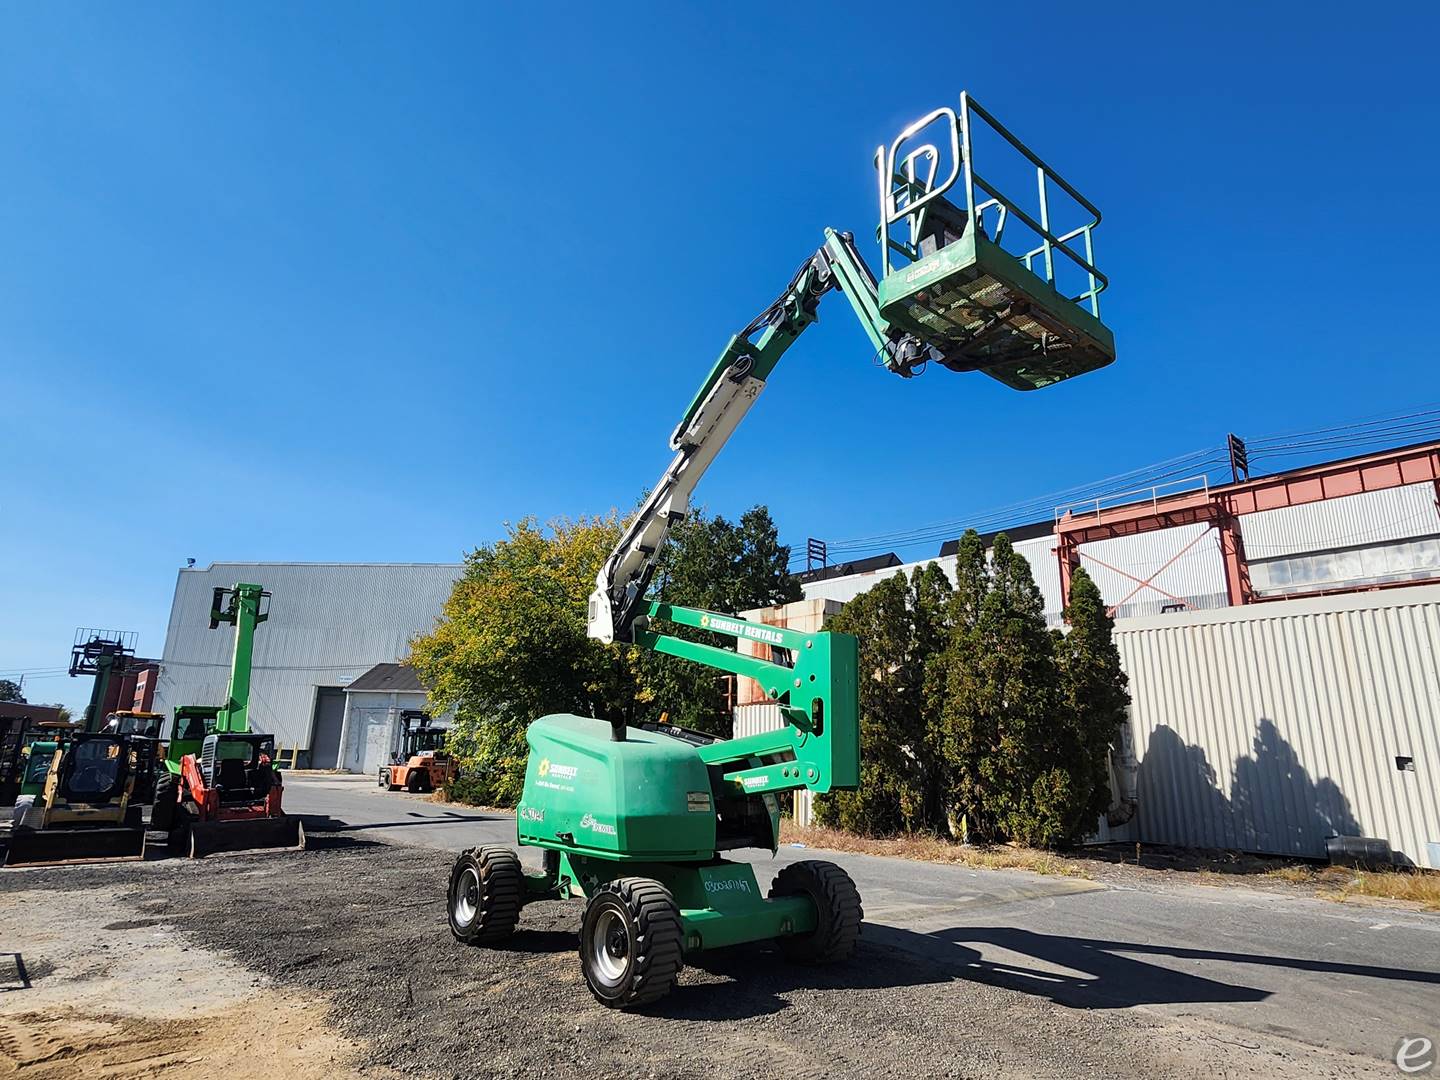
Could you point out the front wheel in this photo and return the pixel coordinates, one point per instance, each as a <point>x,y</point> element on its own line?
<point>162,814</point>
<point>179,838</point>
<point>486,891</point>
<point>631,943</point>
<point>384,778</point>
<point>838,913</point>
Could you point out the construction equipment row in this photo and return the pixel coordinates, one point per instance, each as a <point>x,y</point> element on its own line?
<point>214,783</point>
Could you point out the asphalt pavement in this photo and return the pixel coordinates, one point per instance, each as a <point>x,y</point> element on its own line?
<point>1256,968</point>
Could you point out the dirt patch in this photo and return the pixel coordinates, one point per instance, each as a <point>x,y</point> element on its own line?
<point>134,998</point>
<point>270,1035</point>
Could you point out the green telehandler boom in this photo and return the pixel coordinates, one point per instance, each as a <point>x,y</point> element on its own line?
<point>221,789</point>
<point>634,818</point>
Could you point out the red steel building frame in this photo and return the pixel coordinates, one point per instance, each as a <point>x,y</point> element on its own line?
<point>1221,507</point>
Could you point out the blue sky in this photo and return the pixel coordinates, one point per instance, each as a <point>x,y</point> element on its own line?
<point>360,282</point>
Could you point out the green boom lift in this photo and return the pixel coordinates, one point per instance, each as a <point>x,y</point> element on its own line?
<point>221,789</point>
<point>634,819</point>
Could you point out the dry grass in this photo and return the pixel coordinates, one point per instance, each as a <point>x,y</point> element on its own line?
<point>1295,875</point>
<point>1340,884</point>
<point>933,849</point>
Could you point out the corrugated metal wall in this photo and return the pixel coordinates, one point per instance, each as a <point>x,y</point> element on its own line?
<point>762,717</point>
<point>1270,727</point>
<point>329,623</point>
<point>1371,517</point>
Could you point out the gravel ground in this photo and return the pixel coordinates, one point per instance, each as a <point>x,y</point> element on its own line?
<point>362,926</point>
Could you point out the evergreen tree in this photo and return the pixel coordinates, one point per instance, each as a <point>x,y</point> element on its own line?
<point>1019,688</point>
<point>965,732</point>
<point>898,624</point>
<point>1094,690</point>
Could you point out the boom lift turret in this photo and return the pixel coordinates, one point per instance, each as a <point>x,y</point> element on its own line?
<point>221,790</point>
<point>634,819</point>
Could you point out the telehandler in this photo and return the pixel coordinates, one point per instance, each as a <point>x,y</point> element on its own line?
<point>221,789</point>
<point>635,819</point>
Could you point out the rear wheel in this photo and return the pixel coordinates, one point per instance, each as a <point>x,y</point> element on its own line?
<point>413,780</point>
<point>838,913</point>
<point>631,943</point>
<point>486,890</point>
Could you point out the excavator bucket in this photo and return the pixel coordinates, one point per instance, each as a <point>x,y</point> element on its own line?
<point>61,847</point>
<point>256,835</point>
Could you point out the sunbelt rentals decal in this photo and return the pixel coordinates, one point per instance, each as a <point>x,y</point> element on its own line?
<point>556,770</point>
<point>742,629</point>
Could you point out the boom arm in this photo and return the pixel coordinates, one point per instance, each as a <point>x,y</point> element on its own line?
<point>722,402</point>
<point>241,607</point>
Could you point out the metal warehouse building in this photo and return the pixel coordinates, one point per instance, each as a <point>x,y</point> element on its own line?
<point>1379,538</point>
<point>330,623</point>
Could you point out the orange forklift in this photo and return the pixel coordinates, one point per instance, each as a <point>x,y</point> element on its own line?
<point>422,763</point>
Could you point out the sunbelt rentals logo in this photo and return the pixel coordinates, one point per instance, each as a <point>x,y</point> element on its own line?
<point>742,629</point>
<point>560,772</point>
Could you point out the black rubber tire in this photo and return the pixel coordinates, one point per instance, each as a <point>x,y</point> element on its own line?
<point>413,781</point>
<point>838,912</point>
<point>384,777</point>
<point>178,840</point>
<point>162,814</point>
<point>653,942</point>
<point>487,890</point>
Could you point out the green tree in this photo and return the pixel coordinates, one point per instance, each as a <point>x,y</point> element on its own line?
<point>10,691</point>
<point>718,565</point>
<point>896,624</point>
<point>1095,694</point>
<point>1026,772</point>
<point>967,730</point>
<point>511,645</point>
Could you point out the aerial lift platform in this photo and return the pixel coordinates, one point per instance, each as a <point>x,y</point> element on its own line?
<point>635,819</point>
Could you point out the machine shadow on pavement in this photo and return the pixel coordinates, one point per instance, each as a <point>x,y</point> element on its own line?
<point>759,974</point>
<point>325,833</point>
<point>1108,976</point>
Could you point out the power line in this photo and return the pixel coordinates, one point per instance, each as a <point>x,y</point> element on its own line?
<point>1414,426</point>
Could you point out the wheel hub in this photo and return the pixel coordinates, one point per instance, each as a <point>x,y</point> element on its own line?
<point>610,946</point>
<point>467,898</point>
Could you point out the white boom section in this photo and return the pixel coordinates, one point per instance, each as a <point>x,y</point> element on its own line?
<point>626,573</point>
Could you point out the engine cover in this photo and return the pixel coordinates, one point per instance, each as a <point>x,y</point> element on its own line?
<point>645,798</point>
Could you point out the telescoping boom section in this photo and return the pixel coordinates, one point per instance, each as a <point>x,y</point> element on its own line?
<point>634,818</point>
